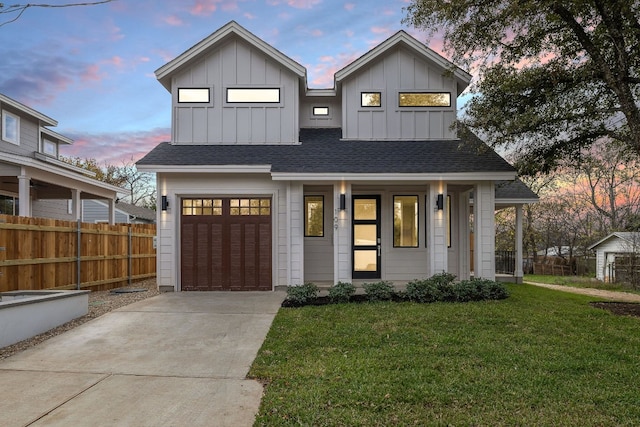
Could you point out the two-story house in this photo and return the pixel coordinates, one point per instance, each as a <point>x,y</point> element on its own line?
<point>30,169</point>
<point>267,183</point>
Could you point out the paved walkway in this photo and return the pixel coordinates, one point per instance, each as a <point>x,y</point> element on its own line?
<point>613,295</point>
<point>177,359</point>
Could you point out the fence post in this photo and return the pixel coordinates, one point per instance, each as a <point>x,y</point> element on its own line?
<point>130,255</point>
<point>79,251</point>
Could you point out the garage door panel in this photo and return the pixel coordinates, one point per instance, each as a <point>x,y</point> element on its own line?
<point>226,244</point>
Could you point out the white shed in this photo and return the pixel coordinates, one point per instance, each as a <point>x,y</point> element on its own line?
<point>615,244</point>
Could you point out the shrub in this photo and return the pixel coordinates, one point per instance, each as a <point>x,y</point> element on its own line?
<point>379,291</point>
<point>341,292</point>
<point>479,290</point>
<point>423,291</point>
<point>302,294</point>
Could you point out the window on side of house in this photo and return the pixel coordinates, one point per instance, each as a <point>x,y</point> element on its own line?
<point>405,221</point>
<point>314,216</point>
<point>49,148</point>
<point>10,127</point>
<point>8,205</point>
<point>371,99</point>
<point>262,95</point>
<point>320,111</point>
<point>194,95</point>
<point>424,99</point>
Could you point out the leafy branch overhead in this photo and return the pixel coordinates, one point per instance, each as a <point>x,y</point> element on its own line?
<point>16,10</point>
<point>554,76</point>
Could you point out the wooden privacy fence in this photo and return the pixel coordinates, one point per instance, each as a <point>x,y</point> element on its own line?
<point>38,253</point>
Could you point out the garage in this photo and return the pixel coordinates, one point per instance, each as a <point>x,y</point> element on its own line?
<point>226,244</point>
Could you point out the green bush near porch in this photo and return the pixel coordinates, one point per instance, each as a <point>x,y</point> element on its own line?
<point>540,357</point>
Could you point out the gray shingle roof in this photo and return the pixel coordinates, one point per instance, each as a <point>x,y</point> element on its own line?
<point>514,190</point>
<point>323,151</point>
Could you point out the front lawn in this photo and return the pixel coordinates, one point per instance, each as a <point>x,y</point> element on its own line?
<point>540,357</point>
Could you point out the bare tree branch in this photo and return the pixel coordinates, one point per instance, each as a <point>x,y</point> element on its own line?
<point>19,9</point>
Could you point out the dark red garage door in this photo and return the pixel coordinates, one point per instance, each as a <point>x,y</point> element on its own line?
<point>226,244</point>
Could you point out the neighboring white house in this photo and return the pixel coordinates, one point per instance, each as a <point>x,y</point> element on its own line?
<point>268,183</point>
<point>30,170</point>
<point>615,245</point>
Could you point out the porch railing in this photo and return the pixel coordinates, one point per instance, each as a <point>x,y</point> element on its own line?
<point>505,262</point>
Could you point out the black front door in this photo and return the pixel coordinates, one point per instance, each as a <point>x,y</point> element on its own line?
<point>366,237</point>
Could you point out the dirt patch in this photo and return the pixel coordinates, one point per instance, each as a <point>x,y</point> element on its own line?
<point>619,308</point>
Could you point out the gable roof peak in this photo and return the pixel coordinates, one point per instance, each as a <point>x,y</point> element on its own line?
<point>232,28</point>
<point>402,37</point>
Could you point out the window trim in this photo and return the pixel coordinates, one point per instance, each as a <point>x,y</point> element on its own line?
<point>209,93</point>
<point>279,102</point>
<point>363,92</point>
<point>5,115</point>
<point>306,217</point>
<point>417,221</point>
<point>418,92</point>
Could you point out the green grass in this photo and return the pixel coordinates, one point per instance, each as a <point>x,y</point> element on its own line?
<point>579,282</point>
<point>540,357</point>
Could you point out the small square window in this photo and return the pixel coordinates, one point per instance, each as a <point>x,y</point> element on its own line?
<point>10,127</point>
<point>320,111</point>
<point>313,216</point>
<point>371,99</point>
<point>194,95</point>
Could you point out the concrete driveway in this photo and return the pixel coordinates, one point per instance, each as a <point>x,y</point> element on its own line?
<point>177,359</point>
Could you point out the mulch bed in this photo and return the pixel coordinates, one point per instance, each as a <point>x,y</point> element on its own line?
<point>620,308</point>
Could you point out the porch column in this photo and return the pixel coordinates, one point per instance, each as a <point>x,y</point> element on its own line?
<point>484,231</point>
<point>439,261</point>
<point>111,208</point>
<point>519,274</point>
<point>295,226</point>
<point>24,195</point>
<point>76,204</point>
<point>342,233</point>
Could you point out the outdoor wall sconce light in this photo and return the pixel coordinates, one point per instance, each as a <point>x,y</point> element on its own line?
<point>343,202</point>
<point>440,202</point>
<point>164,203</point>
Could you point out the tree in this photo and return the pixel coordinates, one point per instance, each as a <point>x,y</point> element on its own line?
<point>16,10</point>
<point>554,75</point>
<point>140,184</point>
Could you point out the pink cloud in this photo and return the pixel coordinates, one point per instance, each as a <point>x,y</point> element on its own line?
<point>297,4</point>
<point>92,73</point>
<point>349,6</point>
<point>249,15</point>
<point>173,20</point>
<point>115,148</point>
<point>204,7</point>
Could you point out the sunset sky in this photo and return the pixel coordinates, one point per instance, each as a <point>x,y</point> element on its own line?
<point>91,68</point>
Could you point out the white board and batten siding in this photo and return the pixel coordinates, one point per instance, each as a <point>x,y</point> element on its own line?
<point>398,71</point>
<point>236,64</point>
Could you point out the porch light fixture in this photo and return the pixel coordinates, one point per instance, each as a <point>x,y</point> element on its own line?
<point>164,203</point>
<point>343,202</point>
<point>440,202</point>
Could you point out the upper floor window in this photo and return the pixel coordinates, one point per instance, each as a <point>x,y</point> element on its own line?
<point>320,111</point>
<point>201,95</point>
<point>10,127</point>
<point>371,99</point>
<point>424,99</point>
<point>261,95</point>
<point>49,148</point>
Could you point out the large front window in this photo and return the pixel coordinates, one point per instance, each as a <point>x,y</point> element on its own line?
<point>405,221</point>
